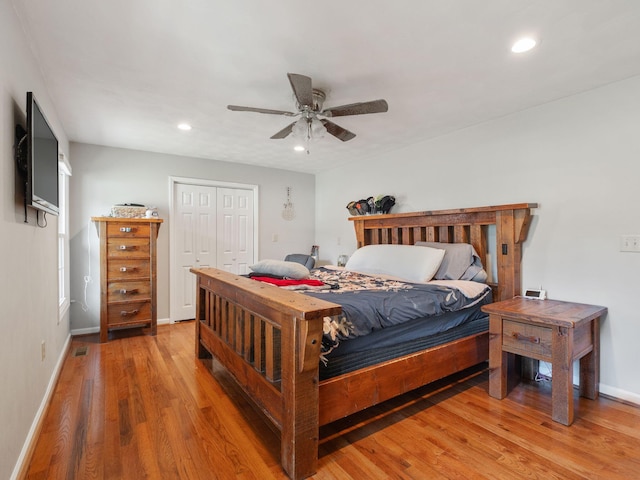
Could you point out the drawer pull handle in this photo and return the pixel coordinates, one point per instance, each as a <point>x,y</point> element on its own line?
<point>126,229</point>
<point>124,291</point>
<point>127,247</point>
<point>524,338</point>
<point>128,269</point>
<point>132,313</point>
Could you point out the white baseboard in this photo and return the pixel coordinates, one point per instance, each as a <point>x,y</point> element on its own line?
<point>29,442</point>
<point>84,331</point>
<point>619,394</point>
<point>90,330</point>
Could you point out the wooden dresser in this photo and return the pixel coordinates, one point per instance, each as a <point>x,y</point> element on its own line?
<point>128,291</point>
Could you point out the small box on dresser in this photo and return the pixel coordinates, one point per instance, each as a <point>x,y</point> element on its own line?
<point>128,292</point>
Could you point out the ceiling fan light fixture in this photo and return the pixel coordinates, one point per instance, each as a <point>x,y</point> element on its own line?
<point>318,130</point>
<point>300,129</point>
<point>299,148</point>
<point>308,128</point>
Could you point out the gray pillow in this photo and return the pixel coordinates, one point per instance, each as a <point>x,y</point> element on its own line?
<point>460,262</point>
<point>281,268</point>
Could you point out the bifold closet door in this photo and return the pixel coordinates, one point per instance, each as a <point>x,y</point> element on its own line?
<point>234,251</point>
<point>195,243</point>
<point>213,228</point>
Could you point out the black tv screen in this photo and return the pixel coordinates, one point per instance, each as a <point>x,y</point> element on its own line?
<point>42,158</point>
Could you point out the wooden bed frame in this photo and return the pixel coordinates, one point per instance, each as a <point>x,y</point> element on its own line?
<point>269,338</point>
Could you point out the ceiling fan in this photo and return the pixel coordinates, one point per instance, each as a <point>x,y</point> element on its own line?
<point>309,103</point>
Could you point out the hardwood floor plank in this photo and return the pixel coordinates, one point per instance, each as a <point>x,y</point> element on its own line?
<point>145,407</point>
<point>565,447</point>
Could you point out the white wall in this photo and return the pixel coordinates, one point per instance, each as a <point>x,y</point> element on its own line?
<point>104,176</point>
<point>578,158</point>
<point>28,258</point>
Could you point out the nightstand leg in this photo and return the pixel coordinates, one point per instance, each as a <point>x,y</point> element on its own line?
<point>590,364</point>
<point>498,360</point>
<point>562,384</point>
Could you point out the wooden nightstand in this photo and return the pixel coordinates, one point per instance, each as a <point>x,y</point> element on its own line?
<point>551,331</point>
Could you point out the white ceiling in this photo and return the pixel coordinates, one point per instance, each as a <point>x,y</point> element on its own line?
<point>124,73</point>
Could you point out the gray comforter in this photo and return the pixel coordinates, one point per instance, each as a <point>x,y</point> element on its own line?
<point>369,303</point>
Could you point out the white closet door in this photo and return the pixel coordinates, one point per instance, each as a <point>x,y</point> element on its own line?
<point>212,226</point>
<point>195,243</point>
<point>235,230</point>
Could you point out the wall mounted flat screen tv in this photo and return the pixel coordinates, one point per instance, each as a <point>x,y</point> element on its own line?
<point>42,160</point>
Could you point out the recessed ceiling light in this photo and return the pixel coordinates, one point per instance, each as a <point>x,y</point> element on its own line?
<point>299,148</point>
<point>523,45</point>
<point>184,126</point>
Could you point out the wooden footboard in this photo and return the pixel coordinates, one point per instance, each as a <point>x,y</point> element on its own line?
<point>269,339</point>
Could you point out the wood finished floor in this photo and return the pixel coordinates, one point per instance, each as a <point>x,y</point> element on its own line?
<point>144,407</point>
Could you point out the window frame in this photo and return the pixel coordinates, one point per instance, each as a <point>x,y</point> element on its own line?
<point>64,299</point>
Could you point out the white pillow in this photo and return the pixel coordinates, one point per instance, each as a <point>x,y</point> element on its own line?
<point>460,262</point>
<point>281,268</point>
<point>406,262</point>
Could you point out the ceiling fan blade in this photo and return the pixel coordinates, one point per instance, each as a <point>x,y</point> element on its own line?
<point>284,132</point>
<point>375,106</point>
<point>337,131</point>
<point>301,86</point>
<point>237,108</point>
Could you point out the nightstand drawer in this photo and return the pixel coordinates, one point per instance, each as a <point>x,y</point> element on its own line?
<point>525,339</point>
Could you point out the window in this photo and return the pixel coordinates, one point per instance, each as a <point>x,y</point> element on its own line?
<point>63,236</point>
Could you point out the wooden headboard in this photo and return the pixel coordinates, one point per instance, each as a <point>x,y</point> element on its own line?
<point>462,225</point>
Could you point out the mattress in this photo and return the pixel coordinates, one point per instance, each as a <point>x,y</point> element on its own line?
<point>403,339</point>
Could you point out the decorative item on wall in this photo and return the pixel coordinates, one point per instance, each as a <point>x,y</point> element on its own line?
<point>288,213</point>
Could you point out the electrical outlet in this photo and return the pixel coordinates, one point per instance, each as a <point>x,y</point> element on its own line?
<point>630,243</point>
<point>44,350</point>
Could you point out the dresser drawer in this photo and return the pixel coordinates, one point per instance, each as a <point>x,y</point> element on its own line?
<point>128,268</point>
<point>128,291</point>
<point>526,339</point>
<point>128,313</point>
<point>128,247</point>
<point>116,229</point>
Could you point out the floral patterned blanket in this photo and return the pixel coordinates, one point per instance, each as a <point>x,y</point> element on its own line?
<point>370,303</point>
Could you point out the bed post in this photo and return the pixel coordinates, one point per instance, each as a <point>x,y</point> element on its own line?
<point>301,342</point>
<point>511,231</point>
